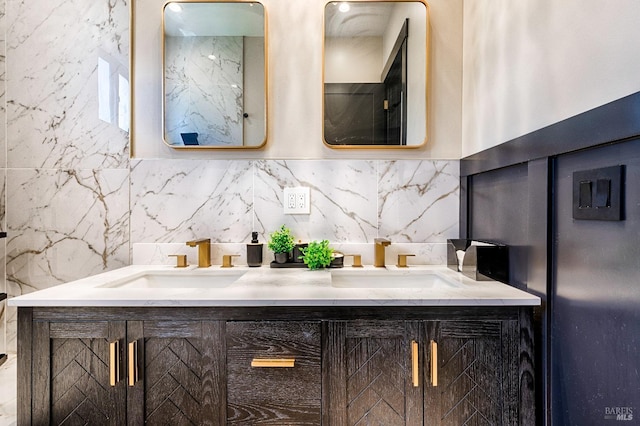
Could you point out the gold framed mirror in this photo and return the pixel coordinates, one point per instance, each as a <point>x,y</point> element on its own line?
<point>214,74</point>
<point>375,74</point>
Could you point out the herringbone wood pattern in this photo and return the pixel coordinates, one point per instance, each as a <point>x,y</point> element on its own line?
<point>376,374</point>
<point>470,380</point>
<point>173,385</point>
<point>80,392</point>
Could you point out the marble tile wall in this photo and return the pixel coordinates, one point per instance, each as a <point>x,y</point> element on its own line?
<point>3,163</point>
<point>67,172</point>
<point>352,202</point>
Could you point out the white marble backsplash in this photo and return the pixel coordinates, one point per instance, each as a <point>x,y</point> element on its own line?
<point>352,201</point>
<point>160,253</point>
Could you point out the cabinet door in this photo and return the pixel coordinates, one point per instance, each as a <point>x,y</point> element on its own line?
<point>369,368</point>
<point>178,373</point>
<point>264,387</point>
<point>71,373</point>
<point>477,373</point>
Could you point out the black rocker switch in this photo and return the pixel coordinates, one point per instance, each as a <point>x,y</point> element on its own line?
<point>585,194</point>
<point>603,193</point>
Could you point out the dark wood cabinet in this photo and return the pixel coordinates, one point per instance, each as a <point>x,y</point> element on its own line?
<point>273,373</point>
<point>268,366</point>
<point>126,372</point>
<point>174,372</point>
<point>371,379</point>
<point>476,372</point>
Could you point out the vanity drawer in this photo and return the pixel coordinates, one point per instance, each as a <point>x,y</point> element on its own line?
<point>261,394</point>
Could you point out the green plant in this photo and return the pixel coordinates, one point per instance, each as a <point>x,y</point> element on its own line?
<point>281,240</point>
<point>317,254</point>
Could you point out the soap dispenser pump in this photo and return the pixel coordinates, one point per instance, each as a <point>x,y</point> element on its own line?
<point>254,251</point>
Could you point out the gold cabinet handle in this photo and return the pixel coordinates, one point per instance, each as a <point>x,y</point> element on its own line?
<point>133,363</point>
<point>271,363</point>
<point>414,364</point>
<point>114,363</point>
<point>434,363</point>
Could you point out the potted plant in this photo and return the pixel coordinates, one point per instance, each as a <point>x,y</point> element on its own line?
<point>281,243</point>
<point>317,254</point>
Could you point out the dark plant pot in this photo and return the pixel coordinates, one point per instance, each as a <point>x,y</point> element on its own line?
<point>281,257</point>
<point>297,252</point>
<point>337,261</point>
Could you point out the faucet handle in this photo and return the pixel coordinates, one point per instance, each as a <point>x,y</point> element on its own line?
<point>181,260</point>
<point>227,260</point>
<point>357,260</point>
<point>402,260</point>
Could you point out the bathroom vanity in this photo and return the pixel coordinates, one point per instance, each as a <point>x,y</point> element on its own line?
<point>276,347</point>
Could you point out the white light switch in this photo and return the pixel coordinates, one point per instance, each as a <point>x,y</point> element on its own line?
<point>296,200</point>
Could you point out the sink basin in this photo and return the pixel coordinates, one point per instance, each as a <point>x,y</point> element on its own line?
<point>178,279</point>
<point>391,279</point>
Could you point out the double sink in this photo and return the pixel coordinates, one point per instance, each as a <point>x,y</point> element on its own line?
<point>207,278</point>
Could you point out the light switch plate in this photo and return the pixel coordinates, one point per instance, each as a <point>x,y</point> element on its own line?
<point>598,194</point>
<point>297,200</point>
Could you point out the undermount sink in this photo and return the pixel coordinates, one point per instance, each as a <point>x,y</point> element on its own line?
<point>178,279</point>
<point>385,278</point>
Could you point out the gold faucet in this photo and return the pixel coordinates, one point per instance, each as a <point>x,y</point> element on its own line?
<point>204,251</point>
<point>379,245</point>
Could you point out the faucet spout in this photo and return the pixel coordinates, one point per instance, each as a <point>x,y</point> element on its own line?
<point>204,251</point>
<point>379,245</point>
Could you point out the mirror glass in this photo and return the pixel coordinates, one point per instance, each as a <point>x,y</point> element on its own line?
<point>214,75</point>
<point>375,74</point>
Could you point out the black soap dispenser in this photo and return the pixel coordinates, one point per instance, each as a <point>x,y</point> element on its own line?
<point>254,251</point>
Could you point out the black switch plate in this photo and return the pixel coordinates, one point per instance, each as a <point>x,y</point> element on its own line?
<point>598,194</point>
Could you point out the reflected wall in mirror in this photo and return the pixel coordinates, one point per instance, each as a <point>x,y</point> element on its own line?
<point>375,74</point>
<point>214,75</point>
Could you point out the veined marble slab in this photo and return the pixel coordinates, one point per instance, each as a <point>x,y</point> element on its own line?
<point>265,286</point>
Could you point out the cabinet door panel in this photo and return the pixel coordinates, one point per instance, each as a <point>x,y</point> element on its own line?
<point>175,385</point>
<point>470,374</point>
<point>377,373</point>
<point>279,395</point>
<point>78,374</point>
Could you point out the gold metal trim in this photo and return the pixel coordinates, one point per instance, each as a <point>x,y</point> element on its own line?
<point>114,363</point>
<point>415,376</point>
<point>266,81</point>
<point>434,363</point>
<point>402,260</point>
<point>357,260</point>
<point>427,82</point>
<point>204,251</point>
<point>273,363</point>
<point>181,260</point>
<point>133,363</point>
<point>227,260</point>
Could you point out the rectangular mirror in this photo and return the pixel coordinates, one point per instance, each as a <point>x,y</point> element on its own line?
<point>375,74</point>
<point>214,75</point>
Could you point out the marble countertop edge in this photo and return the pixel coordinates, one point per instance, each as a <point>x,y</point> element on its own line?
<point>264,286</point>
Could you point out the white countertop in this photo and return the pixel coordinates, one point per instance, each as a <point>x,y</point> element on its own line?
<point>265,286</point>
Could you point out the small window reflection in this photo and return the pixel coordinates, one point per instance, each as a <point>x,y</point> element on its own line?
<point>113,92</point>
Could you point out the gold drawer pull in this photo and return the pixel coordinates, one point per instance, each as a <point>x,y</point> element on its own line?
<point>133,363</point>
<point>434,363</point>
<point>414,364</point>
<point>114,363</point>
<point>277,362</point>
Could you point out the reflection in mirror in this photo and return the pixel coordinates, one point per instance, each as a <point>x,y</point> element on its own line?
<point>214,69</point>
<point>375,73</point>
